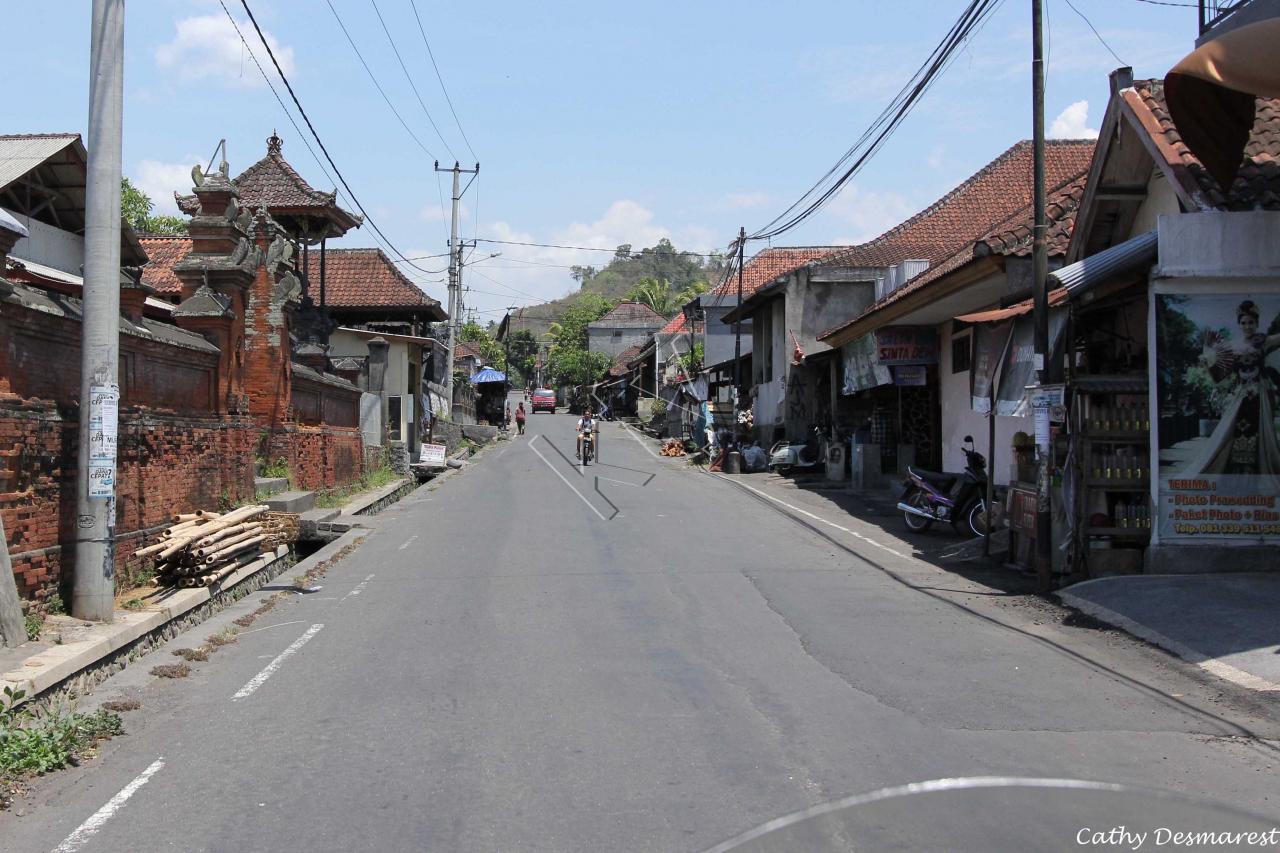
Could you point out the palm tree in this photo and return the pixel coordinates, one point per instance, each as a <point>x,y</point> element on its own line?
<point>658,295</point>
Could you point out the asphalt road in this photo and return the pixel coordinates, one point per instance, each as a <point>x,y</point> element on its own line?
<point>631,656</point>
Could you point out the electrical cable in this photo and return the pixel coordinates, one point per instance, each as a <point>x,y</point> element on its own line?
<point>1096,33</point>
<point>448,100</point>
<point>271,54</point>
<point>597,248</point>
<point>374,79</point>
<point>970,20</point>
<point>409,77</point>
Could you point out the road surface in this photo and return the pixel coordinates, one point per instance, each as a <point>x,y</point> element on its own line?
<point>632,656</point>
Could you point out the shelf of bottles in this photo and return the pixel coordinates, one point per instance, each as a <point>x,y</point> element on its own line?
<point>1117,429</point>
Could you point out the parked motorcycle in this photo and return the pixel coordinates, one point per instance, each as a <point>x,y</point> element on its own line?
<point>789,456</point>
<point>958,499</point>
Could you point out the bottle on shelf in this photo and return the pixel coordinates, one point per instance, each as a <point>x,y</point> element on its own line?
<point>1120,516</point>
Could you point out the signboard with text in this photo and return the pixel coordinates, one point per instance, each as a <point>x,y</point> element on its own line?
<point>1217,436</point>
<point>897,345</point>
<point>433,454</point>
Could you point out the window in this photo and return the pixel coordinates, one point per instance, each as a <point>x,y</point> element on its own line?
<point>961,352</point>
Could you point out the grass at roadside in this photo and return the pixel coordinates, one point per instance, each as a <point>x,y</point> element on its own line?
<point>375,479</point>
<point>34,742</point>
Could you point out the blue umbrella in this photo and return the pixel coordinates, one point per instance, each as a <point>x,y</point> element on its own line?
<point>488,374</point>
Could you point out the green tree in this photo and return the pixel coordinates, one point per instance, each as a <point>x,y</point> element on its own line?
<point>136,207</point>
<point>570,362</point>
<point>658,295</point>
<point>522,349</point>
<point>490,350</point>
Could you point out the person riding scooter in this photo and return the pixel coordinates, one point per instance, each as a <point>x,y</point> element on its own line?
<point>585,424</point>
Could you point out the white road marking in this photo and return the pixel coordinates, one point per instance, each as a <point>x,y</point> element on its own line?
<point>265,627</point>
<point>807,514</point>
<point>98,819</point>
<point>619,482</point>
<point>270,669</point>
<point>407,542</point>
<point>631,432</point>
<point>566,481</point>
<point>360,586</point>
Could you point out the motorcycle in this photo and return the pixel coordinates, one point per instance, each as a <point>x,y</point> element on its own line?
<point>588,446</point>
<point>786,455</point>
<point>958,499</point>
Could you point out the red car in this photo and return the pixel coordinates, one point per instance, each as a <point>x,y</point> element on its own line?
<point>544,400</point>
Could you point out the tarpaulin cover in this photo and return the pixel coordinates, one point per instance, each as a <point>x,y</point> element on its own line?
<point>488,374</point>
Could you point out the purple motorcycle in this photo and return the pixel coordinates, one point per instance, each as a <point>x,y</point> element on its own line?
<point>959,499</point>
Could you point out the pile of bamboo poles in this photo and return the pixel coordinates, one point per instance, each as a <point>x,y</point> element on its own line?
<point>202,548</point>
<point>281,528</point>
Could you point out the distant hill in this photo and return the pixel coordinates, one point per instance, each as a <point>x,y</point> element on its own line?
<point>617,278</point>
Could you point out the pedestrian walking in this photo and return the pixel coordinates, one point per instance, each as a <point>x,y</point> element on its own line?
<point>520,419</point>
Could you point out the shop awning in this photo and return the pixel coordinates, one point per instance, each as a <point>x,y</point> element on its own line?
<point>996,315</point>
<point>488,374</point>
<point>1129,256</point>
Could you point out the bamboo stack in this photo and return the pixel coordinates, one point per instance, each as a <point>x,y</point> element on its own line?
<point>281,528</point>
<point>202,548</point>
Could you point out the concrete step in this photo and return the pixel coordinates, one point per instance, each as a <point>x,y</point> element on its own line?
<point>264,487</point>
<point>319,516</point>
<point>292,501</point>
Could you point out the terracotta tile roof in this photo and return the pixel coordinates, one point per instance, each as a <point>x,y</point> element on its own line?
<point>164,252</point>
<point>1010,238</point>
<point>772,263</point>
<point>992,204</point>
<point>467,349</point>
<point>630,315</point>
<point>1257,184</point>
<point>676,325</point>
<point>993,194</point>
<point>619,367</point>
<point>365,279</point>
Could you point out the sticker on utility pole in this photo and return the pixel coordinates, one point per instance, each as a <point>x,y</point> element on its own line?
<point>104,426</point>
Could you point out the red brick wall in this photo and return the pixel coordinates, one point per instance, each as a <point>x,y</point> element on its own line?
<point>167,463</point>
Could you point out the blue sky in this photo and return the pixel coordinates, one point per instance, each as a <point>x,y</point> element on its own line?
<point>594,123</point>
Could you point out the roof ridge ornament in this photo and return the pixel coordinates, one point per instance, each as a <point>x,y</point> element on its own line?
<point>274,143</point>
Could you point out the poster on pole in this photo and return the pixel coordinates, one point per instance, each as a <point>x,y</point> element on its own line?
<point>1217,384</point>
<point>104,428</point>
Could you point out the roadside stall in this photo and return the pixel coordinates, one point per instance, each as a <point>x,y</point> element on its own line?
<point>491,396</point>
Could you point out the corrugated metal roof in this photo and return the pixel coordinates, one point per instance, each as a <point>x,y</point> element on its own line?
<point>20,154</point>
<point>1095,269</point>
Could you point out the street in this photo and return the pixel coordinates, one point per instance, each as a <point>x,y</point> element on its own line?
<point>538,656</point>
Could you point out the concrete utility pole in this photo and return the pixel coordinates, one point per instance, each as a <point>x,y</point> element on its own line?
<point>93,594</point>
<point>1039,273</point>
<point>737,325</point>
<point>455,276</point>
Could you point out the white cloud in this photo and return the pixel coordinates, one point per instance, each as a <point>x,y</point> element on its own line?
<point>1072,123</point>
<point>207,47</point>
<point>936,157</point>
<point>865,214</point>
<point>161,180</point>
<point>442,212</point>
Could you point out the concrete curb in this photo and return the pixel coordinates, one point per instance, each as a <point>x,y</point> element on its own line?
<point>377,500</point>
<point>74,667</point>
<point>1215,667</point>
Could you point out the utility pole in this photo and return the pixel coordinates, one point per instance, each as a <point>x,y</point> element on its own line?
<point>737,324</point>
<point>455,275</point>
<point>93,593</point>
<point>1040,271</point>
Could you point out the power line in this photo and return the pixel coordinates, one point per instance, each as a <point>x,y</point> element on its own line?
<point>319,141</point>
<point>1095,32</point>
<point>409,77</point>
<point>970,20</point>
<point>306,142</point>
<point>376,84</point>
<point>448,100</point>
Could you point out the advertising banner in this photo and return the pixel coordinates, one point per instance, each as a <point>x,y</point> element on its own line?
<point>1217,382</point>
<point>1017,369</point>
<point>862,367</point>
<point>989,343</point>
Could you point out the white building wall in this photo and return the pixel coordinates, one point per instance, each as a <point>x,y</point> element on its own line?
<point>1160,199</point>
<point>48,245</point>
<point>959,419</point>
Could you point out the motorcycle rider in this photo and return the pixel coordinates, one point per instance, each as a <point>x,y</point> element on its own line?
<point>585,423</point>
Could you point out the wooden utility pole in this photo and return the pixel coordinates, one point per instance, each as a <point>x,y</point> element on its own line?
<point>1040,271</point>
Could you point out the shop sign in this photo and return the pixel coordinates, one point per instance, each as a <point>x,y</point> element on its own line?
<point>1218,443</point>
<point>897,345</point>
<point>909,375</point>
<point>433,454</point>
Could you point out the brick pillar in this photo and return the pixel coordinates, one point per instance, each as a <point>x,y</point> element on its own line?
<point>268,349</point>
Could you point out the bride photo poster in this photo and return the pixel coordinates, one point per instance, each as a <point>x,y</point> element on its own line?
<point>1218,397</point>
